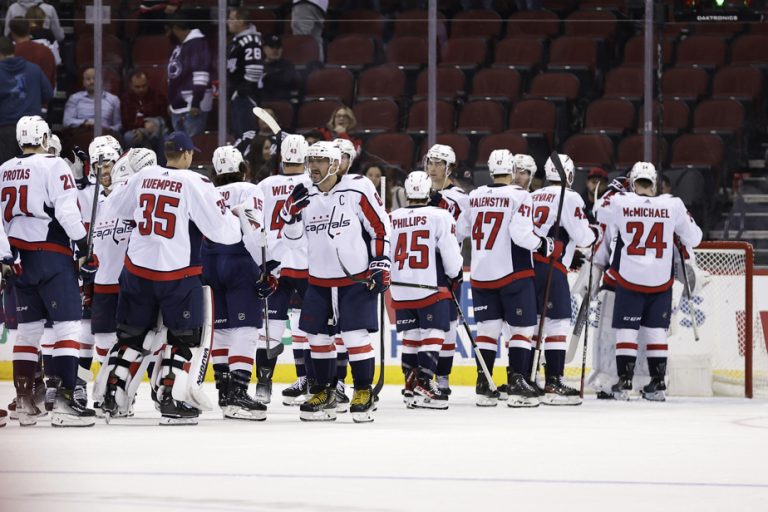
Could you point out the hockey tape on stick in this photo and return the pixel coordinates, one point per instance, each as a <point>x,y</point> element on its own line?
<point>555,229</point>
<point>578,328</point>
<point>268,119</point>
<point>475,348</point>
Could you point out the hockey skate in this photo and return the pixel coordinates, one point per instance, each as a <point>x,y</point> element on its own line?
<point>3,417</point>
<point>556,392</point>
<point>109,409</point>
<point>503,392</point>
<point>535,385</point>
<point>69,413</point>
<point>51,390</point>
<point>240,406</point>
<point>296,392</point>
<point>321,406</point>
<point>484,396</point>
<point>521,394</point>
<point>342,400</point>
<point>621,389</point>
<point>407,391</point>
<point>442,384</point>
<point>362,405</point>
<point>223,383</point>
<point>654,390</point>
<point>80,394</point>
<point>175,412</point>
<point>427,395</point>
<point>263,385</point>
<point>39,397</point>
<point>25,407</point>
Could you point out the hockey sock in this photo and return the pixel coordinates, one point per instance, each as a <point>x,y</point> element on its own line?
<point>428,362</point>
<point>309,364</point>
<point>520,354</point>
<point>48,365</point>
<point>626,352</point>
<point>555,362</point>
<point>299,343</point>
<point>86,362</point>
<point>429,350</point>
<point>362,372</point>
<point>22,368</point>
<point>657,367</point>
<point>625,366</point>
<point>241,378</point>
<point>342,360</point>
<point>410,355</point>
<point>66,352</point>
<point>445,361</point>
<point>655,341</point>
<point>323,358</point>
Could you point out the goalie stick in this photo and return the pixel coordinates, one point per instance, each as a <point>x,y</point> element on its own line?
<point>556,227</point>
<point>688,294</point>
<point>588,301</point>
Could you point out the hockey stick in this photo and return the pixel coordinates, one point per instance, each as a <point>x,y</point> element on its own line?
<point>687,286</point>
<point>578,328</point>
<point>380,382</point>
<point>275,351</point>
<point>587,300</point>
<point>475,348</point>
<point>94,207</point>
<point>555,228</point>
<point>413,285</point>
<point>268,119</point>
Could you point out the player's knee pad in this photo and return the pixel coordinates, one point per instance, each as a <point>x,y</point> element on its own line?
<point>556,333</point>
<point>276,330</point>
<point>358,344</point>
<point>245,341</point>
<point>520,337</point>
<point>322,346</point>
<point>341,347</point>
<point>30,333</point>
<point>185,337</point>
<point>222,341</point>
<point>431,340</point>
<point>449,345</point>
<point>86,336</point>
<point>47,341</point>
<point>411,341</point>
<point>487,334</point>
<point>626,342</point>
<point>294,317</point>
<point>654,340</point>
<point>70,330</point>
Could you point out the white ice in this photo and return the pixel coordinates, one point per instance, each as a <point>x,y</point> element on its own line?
<point>685,454</point>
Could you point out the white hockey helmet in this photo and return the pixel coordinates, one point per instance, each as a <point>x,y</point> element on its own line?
<point>33,131</point>
<point>293,149</point>
<point>568,167</point>
<point>643,171</point>
<point>324,149</point>
<point>346,147</point>
<point>139,158</point>
<point>418,185</point>
<point>54,145</point>
<point>104,147</point>
<point>501,162</point>
<point>227,160</point>
<point>441,152</point>
<point>525,163</point>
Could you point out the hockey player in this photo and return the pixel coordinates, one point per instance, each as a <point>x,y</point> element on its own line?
<point>440,163</point>
<point>172,208</point>
<point>347,231</point>
<point>525,170</point>
<point>54,145</point>
<point>574,231</point>
<point>503,289</point>
<point>348,154</point>
<point>7,260</point>
<point>424,251</point>
<point>293,273</point>
<point>647,227</point>
<point>42,218</point>
<point>238,286</point>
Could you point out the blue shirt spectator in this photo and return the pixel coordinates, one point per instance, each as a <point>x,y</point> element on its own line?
<point>81,107</point>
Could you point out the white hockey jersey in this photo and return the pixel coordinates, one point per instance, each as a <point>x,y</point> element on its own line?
<point>646,227</point>
<point>39,201</point>
<point>235,194</point>
<point>5,246</point>
<point>574,226</point>
<point>110,241</point>
<point>424,251</point>
<point>456,201</point>
<point>172,209</point>
<point>276,190</point>
<point>502,235</point>
<point>348,223</point>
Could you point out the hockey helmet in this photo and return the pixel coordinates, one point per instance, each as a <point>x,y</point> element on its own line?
<point>139,158</point>
<point>525,163</point>
<point>33,131</point>
<point>501,162</point>
<point>418,185</point>
<point>568,167</point>
<point>104,147</point>
<point>440,152</point>
<point>346,147</point>
<point>324,149</point>
<point>643,171</point>
<point>54,145</point>
<point>293,149</point>
<point>227,160</point>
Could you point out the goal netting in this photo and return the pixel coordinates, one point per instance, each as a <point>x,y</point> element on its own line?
<point>730,357</point>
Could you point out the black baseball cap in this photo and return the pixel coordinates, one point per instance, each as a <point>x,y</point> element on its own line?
<point>273,41</point>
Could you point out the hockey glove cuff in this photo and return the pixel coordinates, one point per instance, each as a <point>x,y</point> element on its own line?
<point>266,287</point>
<point>549,247</point>
<point>378,271</point>
<point>297,201</point>
<point>455,282</point>
<point>12,266</point>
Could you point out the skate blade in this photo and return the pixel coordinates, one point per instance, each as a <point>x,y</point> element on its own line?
<point>175,422</point>
<point>484,401</point>
<point>657,396</point>
<point>318,416</point>
<point>290,401</point>
<point>26,420</point>
<point>503,397</point>
<point>522,402</point>
<point>555,400</point>
<point>237,413</point>
<point>263,400</point>
<point>341,409</point>
<point>363,417</point>
<point>437,405</point>
<point>621,395</point>
<point>69,420</point>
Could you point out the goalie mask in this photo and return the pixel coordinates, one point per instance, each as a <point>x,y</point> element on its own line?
<point>227,160</point>
<point>551,171</point>
<point>33,131</point>
<point>501,162</point>
<point>418,185</point>
<point>643,171</point>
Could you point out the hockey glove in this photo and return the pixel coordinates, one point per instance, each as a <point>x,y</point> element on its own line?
<point>88,268</point>
<point>549,247</point>
<point>577,261</point>
<point>436,199</point>
<point>266,287</point>
<point>455,282</point>
<point>297,201</point>
<point>12,266</point>
<point>378,271</point>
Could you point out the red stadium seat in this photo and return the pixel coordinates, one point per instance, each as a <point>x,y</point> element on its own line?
<point>511,141</point>
<point>743,83</point>
<point>612,117</point>
<point>151,50</point>
<point>544,24</point>
<point>408,52</point>
<point>698,151</point>
<point>362,22</point>
<point>634,52</point>
<point>386,81</point>
<point>523,53</point>
<point>573,53</point>
<point>689,84</point>
<point>207,143</point>
<point>481,116</point>
<point>677,116</point>
<point>624,82</point>
<point>283,113</point>
<point>589,23</point>
<point>460,143</point>
<point>555,86</point>
<point>589,150</point>
<point>483,23</point>
<point>413,22</point>
<point>723,116</point>
<point>701,51</point>
<point>394,148</point>
<point>534,116</point>
<point>464,52</point>
<point>376,116</point>
<point>630,151</point>
<point>313,114</point>
<point>750,50</point>
<point>417,117</point>
<point>301,50</point>
<point>354,52</point>
<point>496,84</point>
<point>330,83</point>
<point>451,84</point>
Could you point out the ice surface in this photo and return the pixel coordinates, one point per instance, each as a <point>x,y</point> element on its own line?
<point>685,454</point>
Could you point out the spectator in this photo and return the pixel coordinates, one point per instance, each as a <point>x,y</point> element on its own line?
<point>24,90</point>
<point>259,156</point>
<point>395,196</point>
<point>189,77</point>
<point>666,185</point>
<point>313,136</point>
<point>245,69</point>
<point>597,177</point>
<point>154,13</point>
<point>280,77</point>
<point>143,113</point>
<point>81,106</point>
<point>307,19</point>
<point>21,7</point>
<point>31,51</point>
<point>342,122</point>
<point>36,18</point>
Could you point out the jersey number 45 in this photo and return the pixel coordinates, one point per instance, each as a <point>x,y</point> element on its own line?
<point>412,249</point>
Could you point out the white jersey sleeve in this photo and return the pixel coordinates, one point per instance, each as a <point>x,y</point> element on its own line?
<point>373,216</point>
<point>456,201</point>
<point>521,227</point>
<point>574,226</point>
<point>5,246</point>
